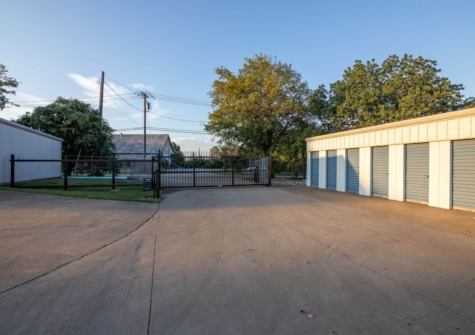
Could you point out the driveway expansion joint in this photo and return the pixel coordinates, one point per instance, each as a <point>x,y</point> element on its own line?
<point>81,257</point>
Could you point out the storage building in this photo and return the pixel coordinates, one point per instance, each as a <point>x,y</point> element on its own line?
<point>27,143</point>
<point>430,160</point>
<point>131,145</point>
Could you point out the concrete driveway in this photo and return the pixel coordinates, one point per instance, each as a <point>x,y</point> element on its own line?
<point>260,261</point>
<point>39,233</point>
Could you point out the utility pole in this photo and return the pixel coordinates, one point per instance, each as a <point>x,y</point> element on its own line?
<point>144,95</point>
<point>101,95</point>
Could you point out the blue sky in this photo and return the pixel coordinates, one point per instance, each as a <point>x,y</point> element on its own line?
<point>59,48</point>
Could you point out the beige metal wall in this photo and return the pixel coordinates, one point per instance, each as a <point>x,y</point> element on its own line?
<point>25,143</point>
<point>439,130</point>
<point>441,127</point>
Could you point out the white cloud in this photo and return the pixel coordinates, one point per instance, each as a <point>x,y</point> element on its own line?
<point>193,143</point>
<point>27,103</point>
<point>139,86</point>
<point>12,112</point>
<point>179,139</point>
<point>20,96</point>
<point>90,85</point>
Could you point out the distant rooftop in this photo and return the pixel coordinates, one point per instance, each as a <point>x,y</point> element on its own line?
<point>133,143</point>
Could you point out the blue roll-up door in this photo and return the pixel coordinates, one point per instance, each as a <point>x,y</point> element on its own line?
<point>353,170</point>
<point>463,174</point>
<point>417,172</point>
<point>380,171</point>
<point>314,168</point>
<point>331,169</point>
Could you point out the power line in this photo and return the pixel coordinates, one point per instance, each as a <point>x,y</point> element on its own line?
<point>181,131</point>
<point>171,118</point>
<point>95,96</point>
<point>172,98</point>
<point>187,131</point>
<point>90,99</point>
<point>116,81</point>
<point>121,97</point>
<point>182,100</point>
<point>124,115</point>
<point>131,96</point>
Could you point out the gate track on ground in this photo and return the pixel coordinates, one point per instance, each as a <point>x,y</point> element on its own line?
<point>81,257</point>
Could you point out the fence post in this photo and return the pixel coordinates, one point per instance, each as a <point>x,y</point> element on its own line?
<point>159,183</point>
<point>194,172</point>
<point>232,170</point>
<point>270,168</point>
<point>154,184</point>
<point>65,173</point>
<point>113,171</point>
<point>12,171</point>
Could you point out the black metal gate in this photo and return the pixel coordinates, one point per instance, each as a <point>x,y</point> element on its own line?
<point>198,171</point>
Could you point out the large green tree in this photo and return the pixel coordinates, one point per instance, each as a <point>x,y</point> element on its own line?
<point>77,123</point>
<point>257,106</point>
<point>398,89</point>
<point>6,85</point>
<point>178,158</point>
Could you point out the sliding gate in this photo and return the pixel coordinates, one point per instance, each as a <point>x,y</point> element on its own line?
<point>199,171</point>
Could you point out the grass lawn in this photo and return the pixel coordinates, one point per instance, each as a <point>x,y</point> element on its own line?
<point>124,193</point>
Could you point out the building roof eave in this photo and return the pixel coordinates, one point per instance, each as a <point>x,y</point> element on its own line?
<point>424,119</point>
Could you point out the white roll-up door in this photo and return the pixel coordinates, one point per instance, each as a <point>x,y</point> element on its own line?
<point>353,170</point>
<point>380,171</point>
<point>331,169</point>
<point>314,168</point>
<point>417,172</point>
<point>463,174</point>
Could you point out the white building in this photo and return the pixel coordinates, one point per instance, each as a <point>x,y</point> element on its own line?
<point>27,143</point>
<point>429,160</point>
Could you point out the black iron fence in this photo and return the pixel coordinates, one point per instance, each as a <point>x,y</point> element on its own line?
<point>289,169</point>
<point>196,170</point>
<point>75,173</point>
<point>156,173</point>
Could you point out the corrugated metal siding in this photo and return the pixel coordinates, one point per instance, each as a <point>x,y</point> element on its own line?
<point>353,170</point>
<point>331,169</point>
<point>380,171</point>
<point>417,172</point>
<point>133,143</point>
<point>463,174</point>
<point>27,145</point>
<point>314,168</point>
<point>457,125</point>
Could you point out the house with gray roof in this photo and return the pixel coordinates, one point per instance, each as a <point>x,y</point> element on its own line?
<point>131,145</point>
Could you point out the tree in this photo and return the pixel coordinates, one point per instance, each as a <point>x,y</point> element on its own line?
<point>5,84</point>
<point>178,157</point>
<point>398,89</point>
<point>77,123</point>
<point>224,150</point>
<point>264,101</point>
